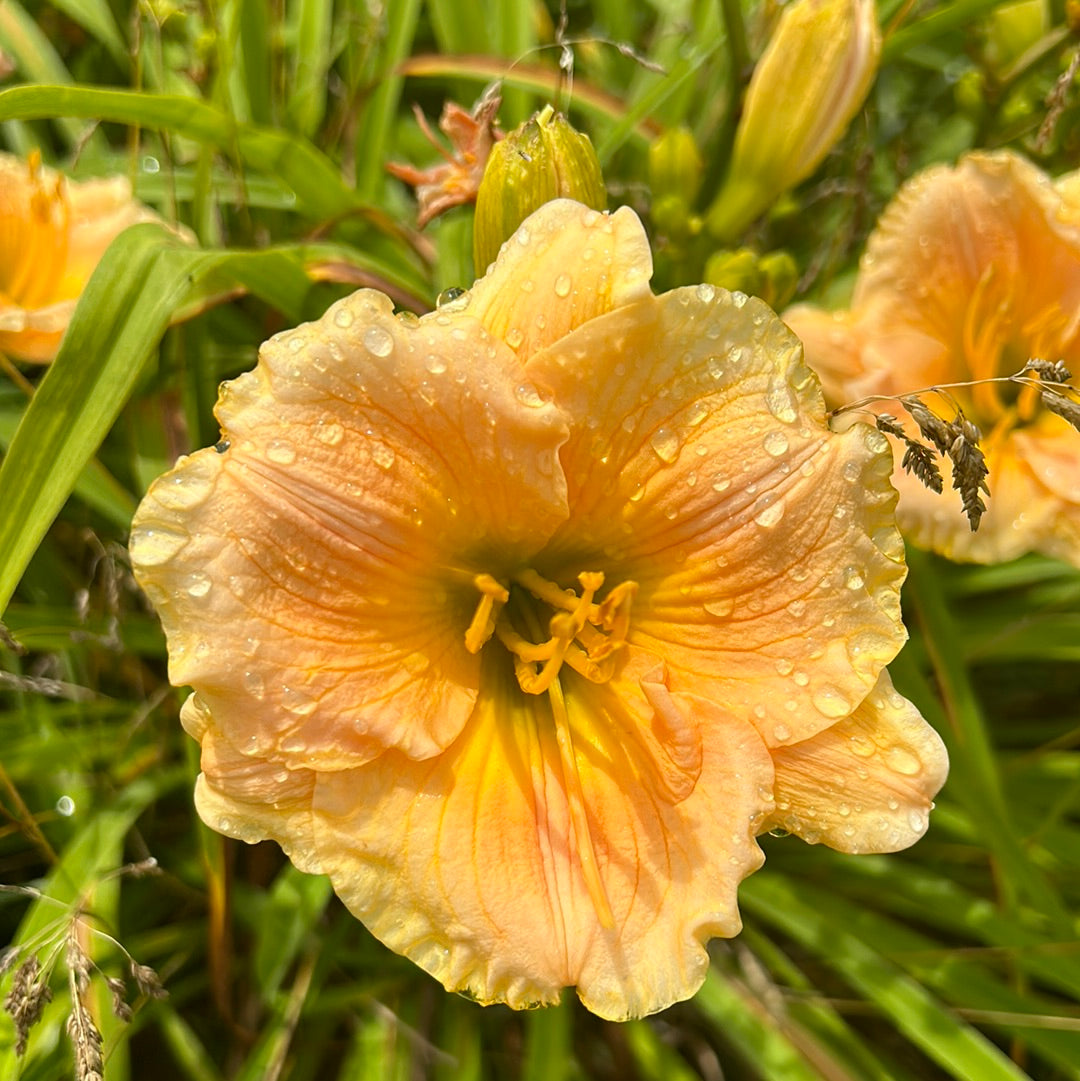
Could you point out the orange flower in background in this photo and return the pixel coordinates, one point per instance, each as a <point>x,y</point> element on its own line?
<point>521,620</point>
<point>971,271</point>
<point>53,231</point>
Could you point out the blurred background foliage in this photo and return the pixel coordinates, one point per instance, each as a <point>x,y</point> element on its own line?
<point>265,126</point>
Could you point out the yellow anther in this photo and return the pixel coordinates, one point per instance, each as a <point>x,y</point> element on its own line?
<point>492,593</point>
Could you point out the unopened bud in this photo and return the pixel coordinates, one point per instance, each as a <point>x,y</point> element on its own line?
<point>543,159</point>
<point>675,166</point>
<point>810,82</point>
<point>736,271</point>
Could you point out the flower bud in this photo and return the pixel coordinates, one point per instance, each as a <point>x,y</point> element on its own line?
<point>543,159</point>
<point>675,166</point>
<point>780,277</point>
<point>811,80</point>
<point>736,271</point>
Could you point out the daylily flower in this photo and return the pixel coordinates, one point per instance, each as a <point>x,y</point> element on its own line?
<point>53,231</point>
<point>456,181</point>
<point>970,272</point>
<point>521,620</point>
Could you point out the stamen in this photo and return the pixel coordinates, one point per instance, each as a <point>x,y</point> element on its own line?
<point>483,621</point>
<point>564,628</point>
<point>575,798</point>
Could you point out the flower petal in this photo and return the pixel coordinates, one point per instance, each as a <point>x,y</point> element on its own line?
<point>313,577</point>
<point>866,784</point>
<point>251,799</point>
<point>469,863</point>
<point>685,456</point>
<point>564,266</point>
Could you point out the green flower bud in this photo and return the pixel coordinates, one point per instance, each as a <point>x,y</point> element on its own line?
<point>1011,29</point>
<point>780,276</point>
<point>543,159</point>
<point>675,166</point>
<point>734,271</point>
<point>811,80</point>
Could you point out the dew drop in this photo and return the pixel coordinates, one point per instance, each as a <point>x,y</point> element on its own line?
<point>329,432</point>
<point>152,547</point>
<point>784,667</point>
<point>800,678</point>
<point>343,318</point>
<point>917,821</point>
<point>378,342</point>
<point>222,445</point>
<point>721,484</point>
<point>408,319</point>
<point>797,608</point>
<point>435,364</point>
<point>297,701</point>
<point>721,607</point>
<point>666,444</point>
<point>781,402</point>
<point>448,296</point>
<point>706,293</point>
<point>862,746</point>
<point>514,338</point>
<point>382,455</point>
<point>776,443</point>
<point>903,760</point>
<point>781,733</point>
<point>280,452</point>
<point>562,285</point>
<point>198,584</point>
<point>768,510</point>
<point>528,395</point>
<point>853,578</point>
<point>829,702</point>
<point>253,683</point>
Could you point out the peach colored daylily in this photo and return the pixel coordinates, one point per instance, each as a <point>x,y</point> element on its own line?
<point>53,232</point>
<point>971,271</point>
<point>521,620</point>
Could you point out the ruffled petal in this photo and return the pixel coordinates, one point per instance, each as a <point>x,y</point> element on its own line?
<point>315,578</point>
<point>565,265</point>
<point>251,799</point>
<point>470,863</point>
<point>696,432</point>
<point>866,784</point>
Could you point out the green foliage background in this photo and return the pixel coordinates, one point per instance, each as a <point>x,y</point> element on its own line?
<point>265,126</point>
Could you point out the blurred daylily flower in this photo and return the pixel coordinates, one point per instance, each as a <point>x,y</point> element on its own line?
<point>457,179</point>
<point>971,272</point>
<point>521,620</point>
<point>53,232</point>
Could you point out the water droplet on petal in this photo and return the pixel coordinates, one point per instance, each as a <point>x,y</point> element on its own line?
<point>781,733</point>
<point>776,443</point>
<point>514,338</point>
<point>382,455</point>
<point>253,683</point>
<point>329,432</point>
<point>768,510</point>
<point>862,746</point>
<point>706,293</point>
<point>343,318</point>
<point>448,296</point>
<point>901,759</point>
<point>528,395</point>
<point>666,444</point>
<point>198,584</point>
<point>377,341</point>
<point>829,702</point>
<point>917,821</point>
<point>562,285</point>
<point>722,607</point>
<point>780,401</point>
<point>297,701</point>
<point>152,547</point>
<point>435,364</point>
<point>280,452</point>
